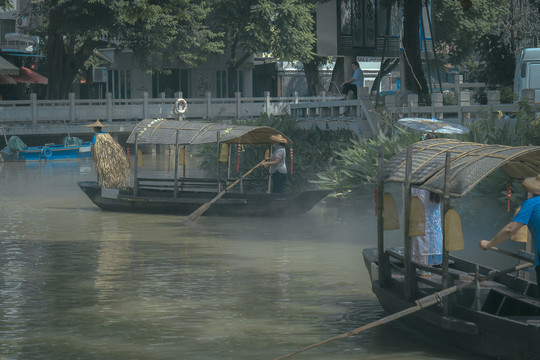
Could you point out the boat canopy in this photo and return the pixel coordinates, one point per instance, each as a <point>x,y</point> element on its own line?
<point>470,163</point>
<point>164,132</point>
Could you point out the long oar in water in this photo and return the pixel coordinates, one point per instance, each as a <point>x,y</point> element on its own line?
<point>194,215</point>
<point>420,304</point>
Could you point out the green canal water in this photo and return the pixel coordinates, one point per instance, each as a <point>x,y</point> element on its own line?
<point>80,283</point>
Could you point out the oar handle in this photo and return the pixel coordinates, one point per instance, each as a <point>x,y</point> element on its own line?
<point>524,256</point>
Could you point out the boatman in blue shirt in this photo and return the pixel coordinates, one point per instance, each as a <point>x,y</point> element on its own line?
<point>353,83</point>
<point>529,215</point>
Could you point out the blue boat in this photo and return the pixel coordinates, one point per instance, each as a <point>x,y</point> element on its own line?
<point>71,149</point>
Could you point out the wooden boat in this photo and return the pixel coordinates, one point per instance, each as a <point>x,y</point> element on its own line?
<point>183,195</point>
<point>162,201</point>
<point>493,316</point>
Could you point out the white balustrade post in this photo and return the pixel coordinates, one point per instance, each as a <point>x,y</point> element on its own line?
<point>178,95</point>
<point>412,100</point>
<point>493,97</point>
<point>458,81</point>
<point>208,104</point>
<point>71,97</point>
<point>323,94</point>
<point>296,101</point>
<point>464,100</point>
<point>436,101</point>
<point>362,94</point>
<point>145,105</point>
<point>33,100</point>
<point>109,107</point>
<point>238,97</point>
<point>267,102</point>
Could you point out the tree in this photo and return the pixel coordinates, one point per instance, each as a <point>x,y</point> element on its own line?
<point>457,32</point>
<point>414,74</point>
<point>282,28</point>
<point>6,4</point>
<point>154,31</point>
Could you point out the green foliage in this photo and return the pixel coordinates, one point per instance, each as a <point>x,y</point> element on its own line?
<point>528,123</point>
<point>458,31</point>
<point>356,165</point>
<point>282,29</point>
<point>497,61</point>
<point>487,129</point>
<point>156,32</point>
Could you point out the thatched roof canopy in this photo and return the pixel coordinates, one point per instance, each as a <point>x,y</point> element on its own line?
<point>470,163</point>
<point>164,132</point>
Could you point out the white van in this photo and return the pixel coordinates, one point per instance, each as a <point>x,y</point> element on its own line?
<point>527,75</point>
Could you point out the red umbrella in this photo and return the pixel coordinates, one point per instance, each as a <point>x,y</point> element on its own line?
<point>31,77</point>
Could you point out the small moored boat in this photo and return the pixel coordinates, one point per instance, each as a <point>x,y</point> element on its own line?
<point>74,149</point>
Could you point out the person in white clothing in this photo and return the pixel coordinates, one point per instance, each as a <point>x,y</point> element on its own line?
<point>278,169</point>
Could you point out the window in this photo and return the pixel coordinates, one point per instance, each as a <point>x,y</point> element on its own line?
<point>119,84</point>
<point>221,83</point>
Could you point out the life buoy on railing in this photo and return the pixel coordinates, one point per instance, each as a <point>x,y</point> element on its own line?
<point>180,106</point>
<point>47,152</point>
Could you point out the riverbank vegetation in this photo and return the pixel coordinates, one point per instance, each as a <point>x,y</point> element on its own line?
<point>340,161</point>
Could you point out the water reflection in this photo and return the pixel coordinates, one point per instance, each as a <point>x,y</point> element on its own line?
<point>77,282</point>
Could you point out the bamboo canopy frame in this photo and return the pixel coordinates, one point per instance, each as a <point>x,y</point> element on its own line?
<point>470,164</point>
<point>163,132</point>
<point>451,168</point>
<point>180,132</point>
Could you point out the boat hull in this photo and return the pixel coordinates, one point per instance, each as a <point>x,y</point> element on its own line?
<point>50,153</point>
<point>506,325</point>
<point>230,204</point>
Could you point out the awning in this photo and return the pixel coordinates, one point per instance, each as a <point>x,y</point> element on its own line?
<point>7,68</point>
<point>30,77</point>
<point>164,132</point>
<point>470,163</point>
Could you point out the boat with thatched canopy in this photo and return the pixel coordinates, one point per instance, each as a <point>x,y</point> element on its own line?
<point>493,313</point>
<point>183,195</point>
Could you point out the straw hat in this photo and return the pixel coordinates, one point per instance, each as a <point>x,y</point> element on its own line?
<point>278,138</point>
<point>532,184</point>
<point>97,123</point>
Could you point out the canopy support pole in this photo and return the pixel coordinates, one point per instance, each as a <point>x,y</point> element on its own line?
<point>184,160</point>
<point>217,162</point>
<point>380,221</point>
<point>176,155</point>
<point>229,152</point>
<point>269,189</point>
<point>446,206</point>
<point>408,267</point>
<point>136,170</point>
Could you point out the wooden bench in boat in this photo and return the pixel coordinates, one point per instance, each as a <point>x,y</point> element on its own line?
<point>190,183</point>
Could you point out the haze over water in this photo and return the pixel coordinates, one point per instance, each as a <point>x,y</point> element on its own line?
<point>80,283</point>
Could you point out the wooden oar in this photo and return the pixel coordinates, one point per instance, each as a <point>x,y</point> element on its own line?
<point>420,304</point>
<point>523,256</point>
<point>194,215</point>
